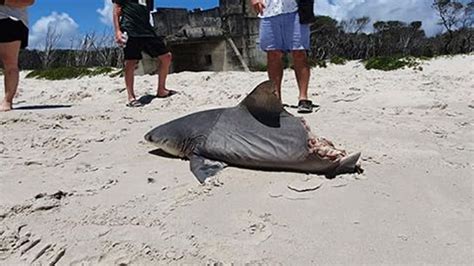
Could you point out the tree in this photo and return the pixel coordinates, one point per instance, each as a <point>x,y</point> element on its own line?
<point>468,17</point>
<point>450,13</point>
<point>355,25</point>
<point>325,32</point>
<point>98,49</point>
<point>454,15</point>
<point>51,41</point>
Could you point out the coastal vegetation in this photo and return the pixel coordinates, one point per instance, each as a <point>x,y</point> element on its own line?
<point>383,45</point>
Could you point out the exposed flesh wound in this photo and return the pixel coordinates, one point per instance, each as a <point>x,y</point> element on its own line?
<point>321,146</point>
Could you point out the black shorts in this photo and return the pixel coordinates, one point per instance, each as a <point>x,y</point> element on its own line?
<point>153,46</point>
<point>12,30</point>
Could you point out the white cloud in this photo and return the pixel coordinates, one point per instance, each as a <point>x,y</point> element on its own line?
<point>61,24</point>
<point>403,10</point>
<point>106,13</point>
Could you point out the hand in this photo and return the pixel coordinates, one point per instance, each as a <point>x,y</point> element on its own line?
<point>118,10</point>
<point>118,37</point>
<point>258,6</point>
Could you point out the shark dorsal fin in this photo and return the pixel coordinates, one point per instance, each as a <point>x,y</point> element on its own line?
<point>264,98</point>
<point>264,104</point>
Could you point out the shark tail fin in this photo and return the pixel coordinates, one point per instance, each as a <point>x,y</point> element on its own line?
<point>347,165</point>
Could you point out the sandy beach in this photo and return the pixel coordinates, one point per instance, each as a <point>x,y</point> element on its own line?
<point>78,185</point>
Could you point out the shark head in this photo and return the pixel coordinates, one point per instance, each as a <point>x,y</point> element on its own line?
<point>168,139</point>
<point>179,137</point>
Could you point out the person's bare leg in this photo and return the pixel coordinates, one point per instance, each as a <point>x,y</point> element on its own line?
<point>9,57</point>
<point>164,62</point>
<point>275,69</point>
<point>130,78</point>
<point>302,72</point>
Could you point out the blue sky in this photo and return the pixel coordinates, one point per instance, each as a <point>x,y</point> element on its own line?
<point>84,12</point>
<point>73,18</point>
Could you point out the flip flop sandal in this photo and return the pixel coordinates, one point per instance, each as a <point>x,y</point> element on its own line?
<point>315,106</point>
<point>134,103</point>
<point>170,93</point>
<point>305,106</point>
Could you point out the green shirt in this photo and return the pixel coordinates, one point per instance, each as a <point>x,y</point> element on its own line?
<point>135,19</point>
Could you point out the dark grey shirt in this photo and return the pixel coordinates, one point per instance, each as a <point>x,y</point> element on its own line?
<point>135,19</point>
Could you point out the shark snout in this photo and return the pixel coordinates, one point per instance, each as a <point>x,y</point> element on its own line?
<point>156,138</point>
<point>153,137</point>
<point>148,137</point>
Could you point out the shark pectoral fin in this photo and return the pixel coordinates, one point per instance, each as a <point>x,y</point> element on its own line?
<point>203,168</point>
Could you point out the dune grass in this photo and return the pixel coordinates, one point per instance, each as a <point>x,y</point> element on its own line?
<point>337,60</point>
<point>388,63</point>
<point>317,63</point>
<point>63,73</point>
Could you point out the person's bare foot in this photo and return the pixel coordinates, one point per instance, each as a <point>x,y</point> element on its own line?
<point>5,107</point>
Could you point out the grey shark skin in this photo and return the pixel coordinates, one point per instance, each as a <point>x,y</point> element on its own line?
<point>257,134</point>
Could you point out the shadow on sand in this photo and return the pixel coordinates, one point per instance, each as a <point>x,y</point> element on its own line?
<point>41,107</point>
<point>146,99</point>
<point>162,153</point>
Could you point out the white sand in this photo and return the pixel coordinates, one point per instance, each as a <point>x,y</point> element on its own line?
<point>413,205</point>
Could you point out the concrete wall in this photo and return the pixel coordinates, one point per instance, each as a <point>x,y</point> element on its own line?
<point>198,38</point>
<point>200,56</point>
<point>229,7</point>
<point>169,20</point>
<point>242,23</point>
<point>205,18</point>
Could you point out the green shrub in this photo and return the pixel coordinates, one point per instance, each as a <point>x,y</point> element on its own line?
<point>337,60</point>
<point>425,58</point>
<point>59,73</point>
<point>101,71</point>
<point>317,63</point>
<point>385,63</point>
<point>259,67</point>
<point>393,63</point>
<point>287,63</point>
<point>62,73</point>
<point>118,73</point>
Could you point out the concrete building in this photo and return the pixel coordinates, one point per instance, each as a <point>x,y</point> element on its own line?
<point>218,39</point>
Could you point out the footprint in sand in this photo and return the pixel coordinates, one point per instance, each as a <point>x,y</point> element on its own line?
<point>301,188</point>
<point>28,247</point>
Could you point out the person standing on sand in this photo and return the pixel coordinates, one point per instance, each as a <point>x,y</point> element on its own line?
<point>282,31</point>
<point>132,17</point>
<point>13,37</point>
